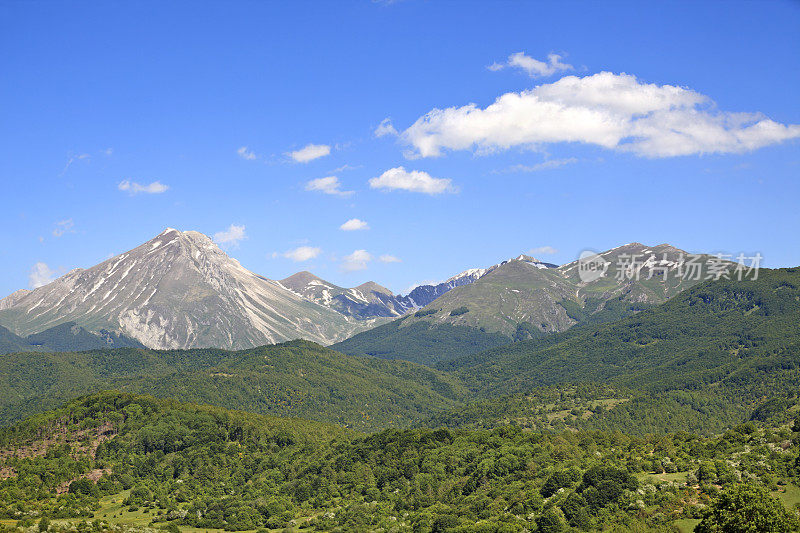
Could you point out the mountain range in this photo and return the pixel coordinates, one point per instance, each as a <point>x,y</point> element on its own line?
<point>370,300</point>
<point>180,290</point>
<point>523,299</point>
<point>707,358</point>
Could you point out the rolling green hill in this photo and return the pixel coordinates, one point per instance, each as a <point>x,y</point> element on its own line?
<point>420,342</point>
<point>10,343</point>
<point>297,378</point>
<point>66,337</point>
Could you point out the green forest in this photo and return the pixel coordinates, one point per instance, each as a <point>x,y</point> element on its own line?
<point>175,464</point>
<point>684,416</point>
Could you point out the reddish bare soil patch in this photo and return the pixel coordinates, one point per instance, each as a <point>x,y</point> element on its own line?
<point>82,442</point>
<point>93,475</point>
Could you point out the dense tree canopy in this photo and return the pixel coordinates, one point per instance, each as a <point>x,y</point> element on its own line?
<point>206,467</point>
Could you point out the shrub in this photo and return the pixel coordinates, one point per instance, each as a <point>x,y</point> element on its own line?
<point>747,508</point>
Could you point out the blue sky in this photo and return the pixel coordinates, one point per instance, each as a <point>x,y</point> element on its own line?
<point>653,122</point>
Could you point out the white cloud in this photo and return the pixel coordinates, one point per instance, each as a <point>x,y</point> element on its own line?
<point>132,187</point>
<point>533,67</point>
<point>354,224</point>
<point>345,167</point>
<point>231,237</point>
<point>329,185</point>
<point>300,254</point>
<point>310,152</point>
<point>244,153</point>
<point>542,250</point>
<point>73,159</point>
<point>544,165</point>
<point>40,274</point>
<point>614,111</point>
<point>356,261</point>
<point>415,181</point>
<point>63,227</point>
<point>386,258</point>
<point>385,128</point>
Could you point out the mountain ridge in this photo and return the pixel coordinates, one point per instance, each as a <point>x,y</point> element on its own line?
<point>179,290</point>
<point>176,290</point>
<point>523,298</point>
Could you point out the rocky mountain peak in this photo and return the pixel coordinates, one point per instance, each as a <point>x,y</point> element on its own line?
<point>13,298</point>
<point>177,290</point>
<point>371,286</point>
<point>302,279</point>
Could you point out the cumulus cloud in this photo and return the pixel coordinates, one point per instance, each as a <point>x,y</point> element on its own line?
<point>354,224</point>
<point>328,185</point>
<point>231,237</point>
<point>63,227</point>
<point>542,250</point>
<point>300,254</point>
<point>415,181</point>
<point>544,165</point>
<point>247,154</point>
<point>131,187</point>
<point>533,67</point>
<point>385,128</point>
<point>310,152</point>
<point>40,274</point>
<point>386,258</point>
<point>356,261</point>
<point>614,111</point>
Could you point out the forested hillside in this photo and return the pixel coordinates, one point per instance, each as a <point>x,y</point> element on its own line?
<point>297,378</point>
<point>120,459</point>
<point>421,342</point>
<point>65,337</point>
<point>701,362</point>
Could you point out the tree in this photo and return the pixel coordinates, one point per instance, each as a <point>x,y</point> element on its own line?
<point>557,480</point>
<point>745,509</point>
<point>550,521</point>
<point>83,486</point>
<point>574,509</point>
